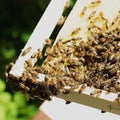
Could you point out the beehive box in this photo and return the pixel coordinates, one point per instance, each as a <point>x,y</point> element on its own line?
<point>83,63</point>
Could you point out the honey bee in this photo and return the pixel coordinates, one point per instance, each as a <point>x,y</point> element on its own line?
<point>96,93</point>
<point>117,100</point>
<point>37,54</point>
<point>49,51</point>
<point>67,102</point>
<point>102,39</point>
<point>102,111</point>
<point>101,48</point>
<point>94,4</point>
<point>82,13</point>
<point>67,4</point>
<point>112,89</point>
<point>29,63</point>
<point>26,51</point>
<point>34,74</point>
<point>91,15</point>
<point>115,22</point>
<point>24,76</point>
<point>100,67</point>
<point>37,69</point>
<point>24,87</point>
<point>48,42</point>
<point>66,91</point>
<point>75,32</point>
<point>117,86</point>
<point>106,82</point>
<point>82,88</point>
<point>61,20</point>
<point>112,71</point>
<point>112,58</point>
<point>53,89</point>
<point>8,68</point>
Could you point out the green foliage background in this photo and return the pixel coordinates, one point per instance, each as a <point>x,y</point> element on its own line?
<point>18,19</point>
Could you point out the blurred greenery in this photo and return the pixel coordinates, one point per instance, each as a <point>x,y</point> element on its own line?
<point>14,106</point>
<point>18,18</point>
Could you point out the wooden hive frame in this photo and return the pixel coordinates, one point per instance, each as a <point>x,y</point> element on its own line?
<point>44,29</point>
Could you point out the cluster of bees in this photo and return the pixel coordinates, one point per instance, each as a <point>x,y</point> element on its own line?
<point>29,82</point>
<point>91,63</point>
<point>92,5</point>
<point>74,64</point>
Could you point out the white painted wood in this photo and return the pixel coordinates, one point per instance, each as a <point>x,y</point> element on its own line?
<point>58,110</point>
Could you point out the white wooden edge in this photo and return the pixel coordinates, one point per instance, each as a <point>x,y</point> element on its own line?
<point>58,110</point>
<point>103,102</point>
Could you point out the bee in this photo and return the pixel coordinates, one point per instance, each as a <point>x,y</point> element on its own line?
<point>101,48</point>
<point>62,83</point>
<point>105,54</point>
<point>112,71</point>
<point>8,68</point>
<point>34,74</point>
<point>112,58</point>
<point>117,86</point>
<point>37,69</point>
<point>75,32</point>
<point>37,54</point>
<point>67,5</point>
<point>117,100</point>
<point>49,51</point>
<point>79,77</point>
<point>34,55</point>
<point>110,46</point>
<point>91,15</point>
<point>115,22</point>
<point>82,88</point>
<point>67,102</point>
<point>100,67</point>
<point>82,13</point>
<point>106,88</point>
<point>112,89</point>
<point>26,51</point>
<point>61,20</point>
<point>101,18</point>
<point>66,91</point>
<point>96,93</point>
<point>102,111</point>
<point>24,87</point>
<point>74,86</point>
<point>102,39</point>
<point>29,63</point>
<point>106,82</point>
<point>26,75</point>
<point>48,42</point>
<point>53,89</point>
<point>41,91</point>
<point>94,4</point>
